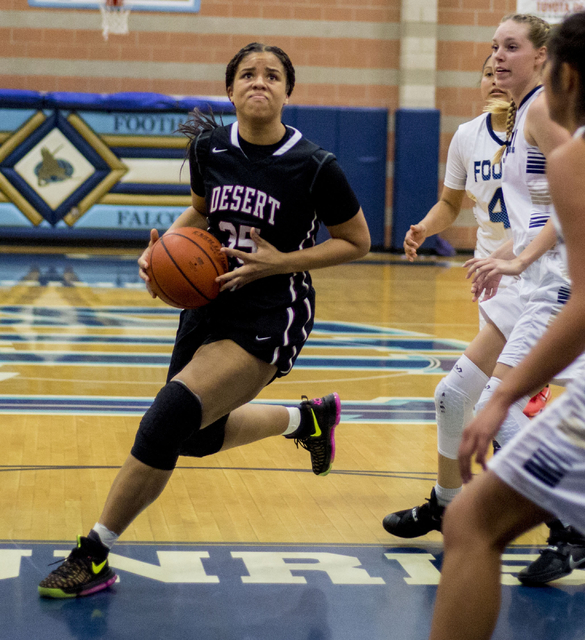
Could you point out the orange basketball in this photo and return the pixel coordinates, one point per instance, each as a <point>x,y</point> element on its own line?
<point>184,264</point>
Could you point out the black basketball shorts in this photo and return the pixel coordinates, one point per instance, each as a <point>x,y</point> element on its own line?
<point>275,335</point>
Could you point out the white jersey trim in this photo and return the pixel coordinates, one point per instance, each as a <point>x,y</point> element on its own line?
<point>287,146</point>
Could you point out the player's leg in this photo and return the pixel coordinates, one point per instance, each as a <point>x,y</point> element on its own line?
<point>565,546</point>
<point>220,377</point>
<point>476,528</point>
<point>455,398</point>
<point>218,380</point>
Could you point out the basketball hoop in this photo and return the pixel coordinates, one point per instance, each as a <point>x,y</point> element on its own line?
<point>114,18</point>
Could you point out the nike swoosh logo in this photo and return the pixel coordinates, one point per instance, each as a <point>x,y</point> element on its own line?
<point>96,568</point>
<point>317,427</point>
<point>573,564</point>
<point>261,339</point>
<point>216,150</point>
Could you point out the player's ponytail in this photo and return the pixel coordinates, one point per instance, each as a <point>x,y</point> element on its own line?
<point>510,122</point>
<point>198,123</point>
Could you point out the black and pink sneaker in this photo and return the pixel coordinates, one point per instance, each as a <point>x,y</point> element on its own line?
<point>322,415</point>
<point>83,572</point>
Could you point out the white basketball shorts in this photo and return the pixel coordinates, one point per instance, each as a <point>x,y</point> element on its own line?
<point>545,462</point>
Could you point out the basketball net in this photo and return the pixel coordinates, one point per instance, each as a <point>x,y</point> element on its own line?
<point>114,18</point>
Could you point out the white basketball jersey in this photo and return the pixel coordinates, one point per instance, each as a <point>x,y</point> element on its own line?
<point>524,182</point>
<point>469,167</point>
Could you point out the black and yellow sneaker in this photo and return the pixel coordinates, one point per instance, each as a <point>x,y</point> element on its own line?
<point>319,417</point>
<point>415,522</point>
<point>83,572</point>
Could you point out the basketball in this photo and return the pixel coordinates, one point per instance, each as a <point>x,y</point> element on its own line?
<point>184,264</point>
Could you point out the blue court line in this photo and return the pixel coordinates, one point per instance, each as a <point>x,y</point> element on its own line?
<point>389,411</point>
<point>95,315</point>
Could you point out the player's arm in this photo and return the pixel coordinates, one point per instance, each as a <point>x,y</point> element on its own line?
<point>349,241</point>
<point>440,217</point>
<point>541,131</point>
<point>564,341</point>
<point>502,263</point>
<point>337,206</point>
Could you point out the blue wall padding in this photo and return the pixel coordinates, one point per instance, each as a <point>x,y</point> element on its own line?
<point>123,101</point>
<point>358,138</point>
<point>416,171</point>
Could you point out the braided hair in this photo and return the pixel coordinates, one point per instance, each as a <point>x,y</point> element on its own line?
<point>510,122</point>
<point>538,34</point>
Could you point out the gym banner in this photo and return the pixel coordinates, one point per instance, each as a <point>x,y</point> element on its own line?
<point>92,165</point>
<point>552,11</point>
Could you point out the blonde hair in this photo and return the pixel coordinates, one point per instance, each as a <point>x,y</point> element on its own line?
<point>538,29</point>
<point>538,34</point>
<point>497,107</point>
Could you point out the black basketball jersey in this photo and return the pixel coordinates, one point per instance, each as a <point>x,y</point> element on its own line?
<point>273,194</point>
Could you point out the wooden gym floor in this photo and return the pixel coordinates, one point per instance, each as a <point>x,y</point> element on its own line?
<point>248,543</point>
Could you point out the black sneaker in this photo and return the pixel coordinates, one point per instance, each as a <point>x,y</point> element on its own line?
<point>325,414</point>
<point>565,552</point>
<point>412,523</point>
<point>83,572</point>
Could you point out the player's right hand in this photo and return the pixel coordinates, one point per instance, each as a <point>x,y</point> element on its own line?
<point>415,236</point>
<point>144,262</point>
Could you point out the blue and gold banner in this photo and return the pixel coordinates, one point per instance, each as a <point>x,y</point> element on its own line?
<point>92,166</point>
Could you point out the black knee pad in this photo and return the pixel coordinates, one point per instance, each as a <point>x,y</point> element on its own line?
<point>207,441</point>
<point>172,418</point>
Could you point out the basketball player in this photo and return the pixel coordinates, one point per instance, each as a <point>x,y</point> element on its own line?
<point>519,314</point>
<point>542,470</point>
<point>261,189</point>
<point>470,170</point>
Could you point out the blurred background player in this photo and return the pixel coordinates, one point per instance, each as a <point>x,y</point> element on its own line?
<point>542,470</point>
<point>519,314</point>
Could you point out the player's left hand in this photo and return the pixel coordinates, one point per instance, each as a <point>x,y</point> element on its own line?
<point>491,267</point>
<point>144,262</point>
<point>265,261</point>
<point>478,436</point>
<point>484,287</point>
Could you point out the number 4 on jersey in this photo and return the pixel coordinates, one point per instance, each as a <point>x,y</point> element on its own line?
<point>497,208</point>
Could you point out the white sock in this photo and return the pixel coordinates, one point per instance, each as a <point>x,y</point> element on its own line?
<point>445,496</point>
<point>108,538</point>
<point>294,420</point>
